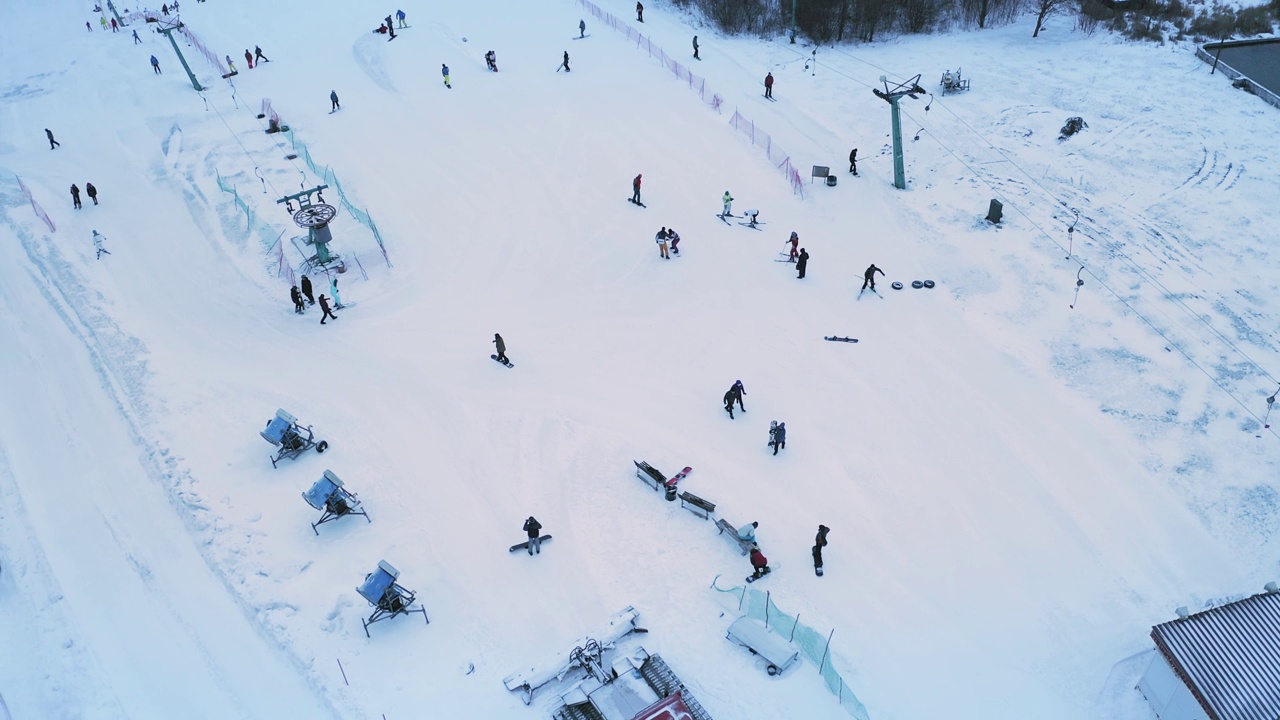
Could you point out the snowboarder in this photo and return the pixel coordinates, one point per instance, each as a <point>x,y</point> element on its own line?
<point>333,291</point>
<point>328,313</point>
<point>565,64</point>
<point>333,98</point>
<point>779,438</point>
<point>661,238</point>
<point>869,277</point>
<point>533,529</point>
<point>729,399</point>
<point>639,11</point>
<point>748,531</point>
<point>258,56</point>
<point>92,192</point>
<point>444,70</point>
<point>635,190</point>
<point>90,27</point>
<point>738,391</point>
<point>155,65</point>
<point>794,241</point>
<point>114,26</point>
<point>491,59</point>
<point>400,18</point>
<point>136,40</point>
<point>164,9</point>
<point>97,245</point>
<point>75,196</point>
<point>728,205</point>
<point>768,85</point>
<point>802,262</point>
<point>695,48</point>
<point>819,542</point>
<point>231,66</point>
<point>675,240</point>
<point>759,563</point>
<point>306,290</point>
<point>52,143</point>
<point>296,297</point>
<point>582,29</point>
<point>853,161</point>
<point>501,347</point>
<point>391,29</point>
<point>248,57</point>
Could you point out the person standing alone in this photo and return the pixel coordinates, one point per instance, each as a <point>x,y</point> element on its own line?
<point>819,542</point>
<point>155,65</point>
<point>869,277</point>
<point>639,11</point>
<point>565,64</point>
<point>635,190</point>
<point>853,161</point>
<point>501,346</point>
<point>533,528</point>
<point>333,98</point>
<point>695,48</point>
<point>52,143</point>
<point>768,85</point>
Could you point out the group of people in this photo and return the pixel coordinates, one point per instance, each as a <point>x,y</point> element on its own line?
<point>668,239</point>
<point>389,28</point>
<point>760,564</point>
<point>297,295</point>
<point>89,190</point>
<point>734,396</point>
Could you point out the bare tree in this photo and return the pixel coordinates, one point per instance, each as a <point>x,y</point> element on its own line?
<point>1042,8</point>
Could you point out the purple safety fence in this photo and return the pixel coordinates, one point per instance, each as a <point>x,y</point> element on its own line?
<point>777,155</point>
<point>40,213</point>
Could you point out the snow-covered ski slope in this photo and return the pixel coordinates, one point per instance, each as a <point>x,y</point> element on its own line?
<point>1017,490</point>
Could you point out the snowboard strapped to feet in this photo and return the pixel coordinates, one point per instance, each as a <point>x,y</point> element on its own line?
<point>507,363</point>
<point>525,545</point>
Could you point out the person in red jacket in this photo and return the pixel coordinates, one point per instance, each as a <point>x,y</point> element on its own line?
<point>759,563</point>
<point>635,190</point>
<point>248,57</point>
<point>768,85</point>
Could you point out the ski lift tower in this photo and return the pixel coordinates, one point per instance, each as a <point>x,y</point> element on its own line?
<point>911,89</point>
<point>167,27</point>
<point>315,218</point>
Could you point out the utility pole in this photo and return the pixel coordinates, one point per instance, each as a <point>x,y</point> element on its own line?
<point>911,89</point>
<point>168,30</point>
<point>794,3</point>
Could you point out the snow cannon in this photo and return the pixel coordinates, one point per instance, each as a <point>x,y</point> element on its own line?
<point>290,438</point>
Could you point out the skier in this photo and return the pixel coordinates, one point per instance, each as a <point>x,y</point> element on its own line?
<point>780,438</point>
<point>794,241</point>
<point>328,313</point>
<point>635,190</point>
<point>114,26</point>
<point>582,29</point>
<point>869,277</point>
<point>802,262</point>
<point>444,70</point>
<point>75,196</point>
<point>400,18</point>
<point>639,11</point>
<point>97,245</point>
<point>296,297</point>
<point>391,29</point>
<point>819,542</point>
<point>728,402</point>
<point>748,531</point>
<point>853,161</point>
<point>333,290</point>
<point>258,56</point>
<point>248,57</point>
<point>90,27</point>
<point>565,64</point>
<point>675,240</point>
<point>738,391</point>
<point>136,40</point>
<point>759,563</point>
<point>533,528</point>
<point>491,59</point>
<point>768,85</point>
<point>92,192</point>
<point>333,98</point>
<point>52,143</point>
<point>501,348</point>
<point>164,9</point>
<point>103,22</point>
<point>306,290</point>
<point>231,66</point>
<point>695,48</point>
<point>728,205</point>
<point>661,237</point>
<point>155,65</point>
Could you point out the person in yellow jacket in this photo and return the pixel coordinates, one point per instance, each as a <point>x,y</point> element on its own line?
<point>728,205</point>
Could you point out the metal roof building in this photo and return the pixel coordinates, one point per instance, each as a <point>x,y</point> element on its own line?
<point>1220,664</point>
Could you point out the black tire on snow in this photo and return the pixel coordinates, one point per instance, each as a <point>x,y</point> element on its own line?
<point>322,446</point>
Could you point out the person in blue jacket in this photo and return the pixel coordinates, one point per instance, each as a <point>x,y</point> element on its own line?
<point>155,65</point>
<point>400,17</point>
<point>444,70</point>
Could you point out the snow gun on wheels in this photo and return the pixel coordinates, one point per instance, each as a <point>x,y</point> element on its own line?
<point>290,438</point>
<point>329,496</point>
<point>387,597</point>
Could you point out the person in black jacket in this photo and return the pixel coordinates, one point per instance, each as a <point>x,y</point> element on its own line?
<point>738,391</point>
<point>779,438</point>
<point>534,529</point>
<point>52,143</point>
<point>639,11</point>
<point>92,192</point>
<point>819,542</point>
<point>853,161</point>
<point>501,347</point>
<point>306,290</point>
<point>296,297</point>
<point>75,196</point>
<point>565,64</point>
<point>802,262</point>
<point>328,313</point>
<point>729,398</point>
<point>869,277</point>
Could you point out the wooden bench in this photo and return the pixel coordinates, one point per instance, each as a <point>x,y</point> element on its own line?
<point>726,528</point>
<point>697,505</point>
<point>650,475</point>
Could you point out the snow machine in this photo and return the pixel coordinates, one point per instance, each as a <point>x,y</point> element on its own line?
<point>387,597</point>
<point>328,496</point>
<point>290,438</point>
<point>777,653</point>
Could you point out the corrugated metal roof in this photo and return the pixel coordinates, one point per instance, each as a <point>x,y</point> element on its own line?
<point>1229,656</point>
